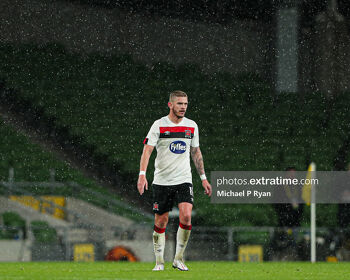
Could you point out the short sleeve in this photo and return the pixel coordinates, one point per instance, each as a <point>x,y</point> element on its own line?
<point>195,139</point>
<point>153,135</point>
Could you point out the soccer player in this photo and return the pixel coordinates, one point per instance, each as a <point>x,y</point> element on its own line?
<point>175,138</point>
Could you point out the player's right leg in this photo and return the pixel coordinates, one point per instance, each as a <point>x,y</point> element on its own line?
<point>160,222</point>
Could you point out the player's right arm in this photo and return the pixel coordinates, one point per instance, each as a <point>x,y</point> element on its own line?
<point>142,183</point>
<point>149,143</point>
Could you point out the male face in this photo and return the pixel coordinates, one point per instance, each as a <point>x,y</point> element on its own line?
<point>178,106</point>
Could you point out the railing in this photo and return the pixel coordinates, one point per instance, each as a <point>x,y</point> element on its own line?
<point>212,243</point>
<point>277,243</point>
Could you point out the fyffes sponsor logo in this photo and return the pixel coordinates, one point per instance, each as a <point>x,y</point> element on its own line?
<point>178,147</point>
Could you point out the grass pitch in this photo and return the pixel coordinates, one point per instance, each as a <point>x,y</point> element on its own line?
<point>198,270</point>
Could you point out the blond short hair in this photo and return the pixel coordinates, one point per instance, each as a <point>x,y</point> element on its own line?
<point>176,93</point>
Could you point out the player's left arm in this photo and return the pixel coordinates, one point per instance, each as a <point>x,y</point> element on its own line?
<point>197,158</point>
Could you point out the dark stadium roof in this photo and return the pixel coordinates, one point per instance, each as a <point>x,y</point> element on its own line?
<point>218,11</point>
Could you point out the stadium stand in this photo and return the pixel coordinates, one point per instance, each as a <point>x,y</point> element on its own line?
<point>32,164</point>
<point>106,104</point>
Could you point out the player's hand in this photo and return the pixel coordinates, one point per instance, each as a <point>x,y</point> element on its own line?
<point>207,187</point>
<point>142,184</point>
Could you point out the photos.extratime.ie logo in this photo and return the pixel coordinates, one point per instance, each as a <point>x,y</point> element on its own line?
<point>280,186</point>
<point>277,181</point>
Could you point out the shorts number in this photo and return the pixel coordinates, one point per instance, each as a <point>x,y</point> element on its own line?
<point>191,191</point>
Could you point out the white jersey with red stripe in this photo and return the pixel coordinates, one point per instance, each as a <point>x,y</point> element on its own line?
<point>173,142</point>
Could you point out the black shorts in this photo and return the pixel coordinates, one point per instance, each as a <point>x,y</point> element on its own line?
<point>164,197</point>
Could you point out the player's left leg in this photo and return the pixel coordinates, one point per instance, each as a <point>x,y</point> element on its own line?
<point>183,234</point>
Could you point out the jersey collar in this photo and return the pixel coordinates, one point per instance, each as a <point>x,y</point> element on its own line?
<point>177,124</point>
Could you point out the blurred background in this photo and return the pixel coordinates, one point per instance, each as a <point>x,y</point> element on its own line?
<point>81,83</point>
